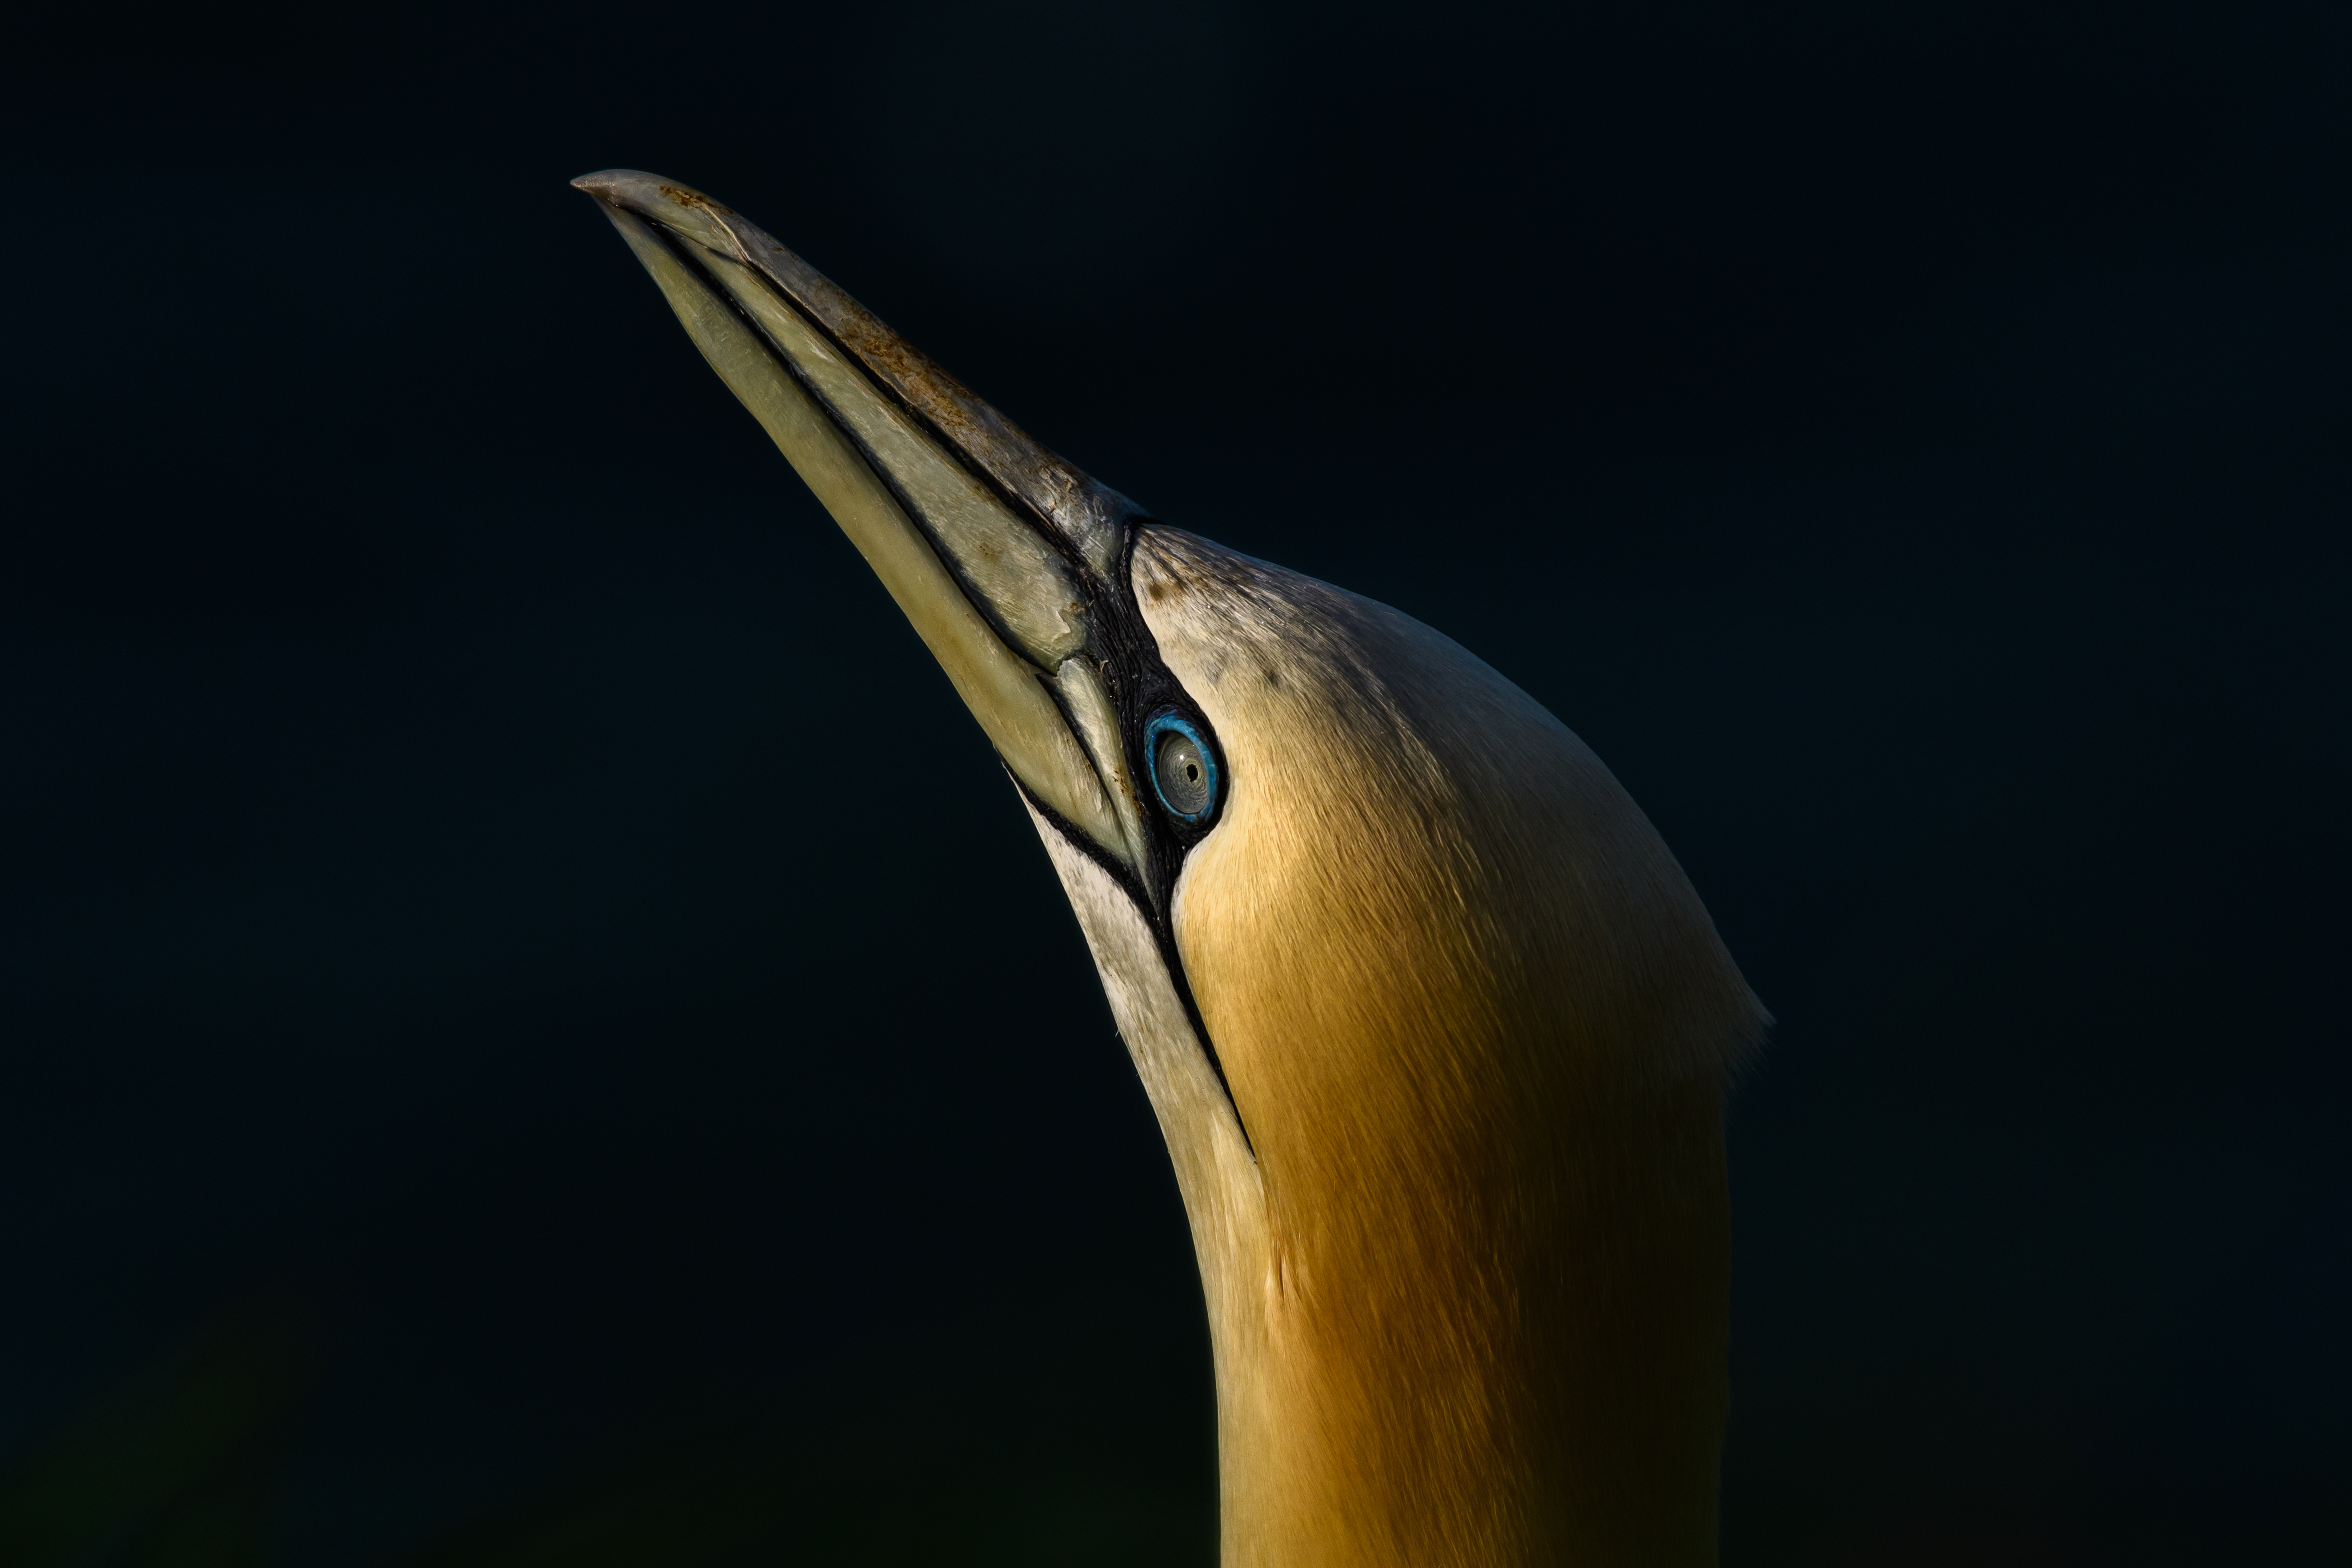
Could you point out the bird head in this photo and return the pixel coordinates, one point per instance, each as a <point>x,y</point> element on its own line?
<point>1434,1024</point>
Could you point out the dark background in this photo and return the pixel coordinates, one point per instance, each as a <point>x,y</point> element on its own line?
<point>521,992</point>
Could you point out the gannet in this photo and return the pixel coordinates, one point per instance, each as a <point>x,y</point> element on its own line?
<point>1436,1027</point>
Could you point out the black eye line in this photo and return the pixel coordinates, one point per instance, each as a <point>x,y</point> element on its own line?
<point>1163,935</point>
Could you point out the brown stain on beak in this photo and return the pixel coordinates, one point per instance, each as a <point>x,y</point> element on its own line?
<point>687,198</point>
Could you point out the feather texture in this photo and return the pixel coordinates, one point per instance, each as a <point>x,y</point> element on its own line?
<point>1468,1298</point>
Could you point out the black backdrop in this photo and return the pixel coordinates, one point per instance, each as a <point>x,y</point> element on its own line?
<point>518,971</point>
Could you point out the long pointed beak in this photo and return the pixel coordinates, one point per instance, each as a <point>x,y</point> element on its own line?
<point>1004,558</point>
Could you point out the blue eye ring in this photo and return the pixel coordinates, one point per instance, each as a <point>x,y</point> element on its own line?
<point>1157,733</point>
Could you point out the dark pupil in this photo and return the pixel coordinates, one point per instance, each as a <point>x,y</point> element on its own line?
<point>1183,777</point>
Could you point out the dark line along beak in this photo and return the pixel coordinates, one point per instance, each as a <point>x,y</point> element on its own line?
<point>999,553</point>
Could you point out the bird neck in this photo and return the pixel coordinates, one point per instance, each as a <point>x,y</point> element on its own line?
<point>1539,1380</point>
<point>1465,1270</point>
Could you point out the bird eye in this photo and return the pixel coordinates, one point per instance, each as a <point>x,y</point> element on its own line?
<point>1183,769</point>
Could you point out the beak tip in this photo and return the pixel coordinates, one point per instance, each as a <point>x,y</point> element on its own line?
<point>649,195</point>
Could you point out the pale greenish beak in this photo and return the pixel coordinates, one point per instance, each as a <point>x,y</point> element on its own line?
<point>1009,562</point>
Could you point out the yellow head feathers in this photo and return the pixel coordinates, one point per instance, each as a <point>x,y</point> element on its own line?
<point>1476,1022</point>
